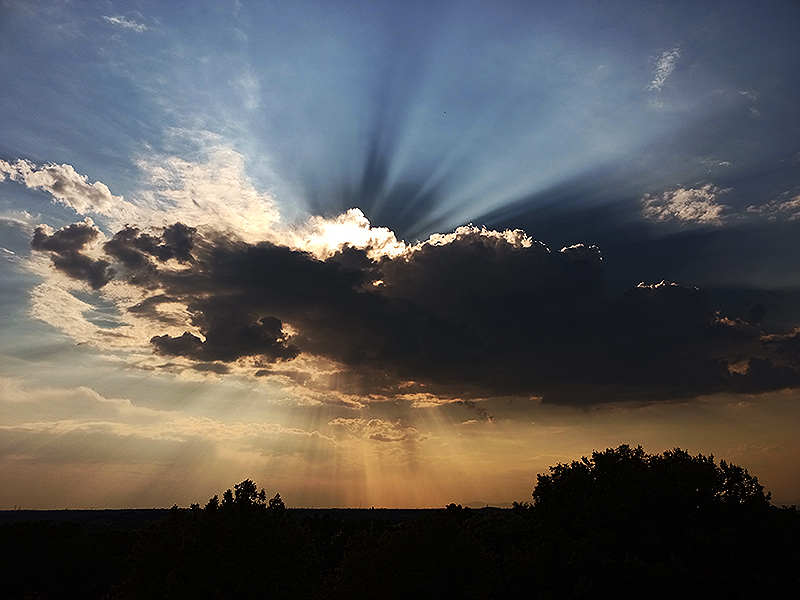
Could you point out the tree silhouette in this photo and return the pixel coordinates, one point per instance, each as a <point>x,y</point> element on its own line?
<point>618,524</point>
<point>276,503</point>
<point>242,546</point>
<point>628,524</point>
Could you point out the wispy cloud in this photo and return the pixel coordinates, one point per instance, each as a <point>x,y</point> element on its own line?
<point>213,190</point>
<point>664,68</point>
<point>120,21</point>
<point>51,410</point>
<point>786,207</point>
<point>379,430</point>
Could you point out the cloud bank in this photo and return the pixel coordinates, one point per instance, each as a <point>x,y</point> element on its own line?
<point>340,306</point>
<point>471,314</point>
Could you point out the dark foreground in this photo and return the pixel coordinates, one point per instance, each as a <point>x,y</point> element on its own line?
<point>622,524</point>
<point>136,518</point>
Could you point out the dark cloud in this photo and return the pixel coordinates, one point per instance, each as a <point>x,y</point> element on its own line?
<point>763,374</point>
<point>65,247</point>
<point>214,367</point>
<point>296,376</point>
<point>149,308</point>
<point>479,410</point>
<point>228,338</point>
<point>787,347</point>
<point>757,313</point>
<point>184,345</point>
<point>469,315</point>
<point>135,250</point>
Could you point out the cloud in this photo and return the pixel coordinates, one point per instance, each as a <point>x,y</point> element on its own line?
<point>182,429</point>
<point>211,192</point>
<point>665,65</point>
<point>784,208</point>
<point>34,414</point>
<point>479,410</point>
<point>66,186</point>
<point>462,316</point>
<point>349,310</point>
<point>688,205</point>
<point>249,88</point>
<point>763,374</point>
<point>136,250</point>
<point>120,21</point>
<point>379,430</point>
<point>66,251</point>
<point>324,237</point>
<point>22,401</point>
<point>699,205</point>
<point>228,339</point>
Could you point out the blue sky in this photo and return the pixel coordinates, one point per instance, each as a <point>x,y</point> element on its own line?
<point>317,244</point>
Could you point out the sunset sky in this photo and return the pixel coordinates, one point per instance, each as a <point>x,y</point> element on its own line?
<point>393,254</point>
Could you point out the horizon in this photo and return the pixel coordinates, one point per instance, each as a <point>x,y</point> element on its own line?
<point>393,254</point>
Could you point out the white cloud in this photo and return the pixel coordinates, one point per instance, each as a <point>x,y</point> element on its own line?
<point>212,192</point>
<point>516,238</point>
<point>695,205</point>
<point>120,21</point>
<point>323,237</point>
<point>664,68</point>
<point>68,187</point>
<point>54,302</point>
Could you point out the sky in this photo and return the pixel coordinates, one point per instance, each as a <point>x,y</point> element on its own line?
<point>392,254</point>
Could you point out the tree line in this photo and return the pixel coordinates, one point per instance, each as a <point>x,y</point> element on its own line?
<point>621,523</point>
